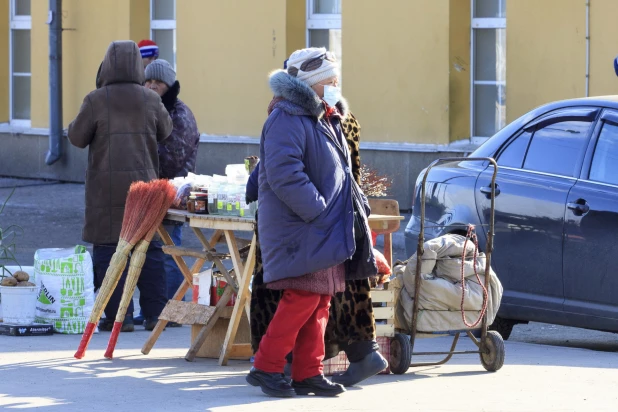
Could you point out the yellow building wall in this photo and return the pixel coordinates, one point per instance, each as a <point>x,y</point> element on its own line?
<point>4,68</point>
<point>225,50</point>
<point>89,29</point>
<point>459,70</point>
<point>603,47</point>
<point>396,69</point>
<point>139,20</point>
<point>545,53</point>
<point>296,25</point>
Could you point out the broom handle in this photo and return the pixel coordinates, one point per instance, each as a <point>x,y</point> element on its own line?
<point>138,257</point>
<point>112,276</point>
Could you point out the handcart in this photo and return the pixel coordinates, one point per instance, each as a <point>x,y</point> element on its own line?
<point>490,345</point>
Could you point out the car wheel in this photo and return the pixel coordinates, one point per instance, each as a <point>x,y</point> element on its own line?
<point>503,326</point>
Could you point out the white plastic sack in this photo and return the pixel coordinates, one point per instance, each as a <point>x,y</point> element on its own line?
<point>435,249</point>
<point>66,279</point>
<point>441,288</point>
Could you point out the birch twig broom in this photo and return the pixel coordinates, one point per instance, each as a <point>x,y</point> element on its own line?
<point>137,221</point>
<point>157,210</point>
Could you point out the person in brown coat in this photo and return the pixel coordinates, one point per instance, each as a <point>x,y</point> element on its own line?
<point>121,122</point>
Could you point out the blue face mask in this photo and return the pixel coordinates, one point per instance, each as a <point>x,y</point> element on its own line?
<point>332,95</point>
<point>616,65</point>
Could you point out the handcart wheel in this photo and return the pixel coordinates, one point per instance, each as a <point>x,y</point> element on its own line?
<point>493,346</point>
<point>401,354</point>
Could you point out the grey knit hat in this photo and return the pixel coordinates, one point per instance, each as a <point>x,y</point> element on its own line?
<point>162,71</point>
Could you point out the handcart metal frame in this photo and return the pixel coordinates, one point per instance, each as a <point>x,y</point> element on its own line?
<point>490,345</point>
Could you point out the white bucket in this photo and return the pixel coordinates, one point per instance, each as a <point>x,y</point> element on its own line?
<point>12,269</point>
<point>19,304</point>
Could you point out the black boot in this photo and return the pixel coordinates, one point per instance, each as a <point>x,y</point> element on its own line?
<point>317,385</point>
<point>272,384</point>
<point>106,325</point>
<point>150,323</point>
<point>369,366</point>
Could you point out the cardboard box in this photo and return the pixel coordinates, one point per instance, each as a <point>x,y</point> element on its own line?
<point>35,329</point>
<point>214,341</point>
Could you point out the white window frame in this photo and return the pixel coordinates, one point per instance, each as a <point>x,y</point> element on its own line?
<point>14,17</point>
<point>163,25</point>
<point>319,21</point>
<point>17,23</point>
<point>480,23</point>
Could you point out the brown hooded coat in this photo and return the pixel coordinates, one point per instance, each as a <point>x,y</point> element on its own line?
<point>121,122</point>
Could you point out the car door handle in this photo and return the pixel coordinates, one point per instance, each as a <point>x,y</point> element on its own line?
<point>579,208</point>
<point>486,190</point>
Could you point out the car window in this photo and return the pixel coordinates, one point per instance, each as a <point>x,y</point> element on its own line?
<point>605,161</point>
<point>556,147</point>
<point>513,155</point>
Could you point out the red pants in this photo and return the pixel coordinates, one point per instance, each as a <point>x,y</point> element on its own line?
<point>298,326</point>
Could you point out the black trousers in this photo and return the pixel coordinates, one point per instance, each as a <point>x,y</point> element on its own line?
<point>152,282</point>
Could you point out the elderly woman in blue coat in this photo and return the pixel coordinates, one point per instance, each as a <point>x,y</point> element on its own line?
<point>313,221</point>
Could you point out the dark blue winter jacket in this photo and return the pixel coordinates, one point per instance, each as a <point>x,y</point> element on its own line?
<point>307,195</point>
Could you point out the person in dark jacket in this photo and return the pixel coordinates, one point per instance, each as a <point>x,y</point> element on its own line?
<point>177,153</point>
<point>309,208</point>
<point>121,123</point>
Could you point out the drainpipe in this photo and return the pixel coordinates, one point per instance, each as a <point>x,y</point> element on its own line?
<point>55,82</point>
<point>587,48</point>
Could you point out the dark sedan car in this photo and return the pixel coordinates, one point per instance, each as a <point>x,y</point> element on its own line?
<point>556,243</point>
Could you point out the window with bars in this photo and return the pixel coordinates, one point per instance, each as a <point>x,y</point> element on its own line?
<point>324,25</point>
<point>19,62</point>
<point>488,63</point>
<point>163,28</point>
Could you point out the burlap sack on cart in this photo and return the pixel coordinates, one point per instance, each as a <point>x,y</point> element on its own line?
<point>450,267</point>
<point>441,290</point>
<point>66,279</point>
<point>446,246</point>
<point>440,303</point>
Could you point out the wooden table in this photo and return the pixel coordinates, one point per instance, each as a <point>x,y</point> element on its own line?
<point>224,226</point>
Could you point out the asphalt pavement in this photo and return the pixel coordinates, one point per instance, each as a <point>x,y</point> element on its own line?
<point>40,372</point>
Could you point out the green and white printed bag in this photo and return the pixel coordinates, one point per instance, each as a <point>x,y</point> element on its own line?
<point>66,279</point>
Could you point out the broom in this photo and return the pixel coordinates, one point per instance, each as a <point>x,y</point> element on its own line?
<point>135,225</point>
<point>158,211</point>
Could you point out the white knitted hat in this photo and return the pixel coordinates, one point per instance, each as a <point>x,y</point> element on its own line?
<point>329,66</point>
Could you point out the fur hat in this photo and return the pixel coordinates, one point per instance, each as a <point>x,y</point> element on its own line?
<point>162,71</point>
<point>318,63</point>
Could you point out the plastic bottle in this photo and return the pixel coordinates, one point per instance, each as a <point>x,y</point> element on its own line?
<point>240,205</point>
<point>222,200</point>
<point>213,195</point>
